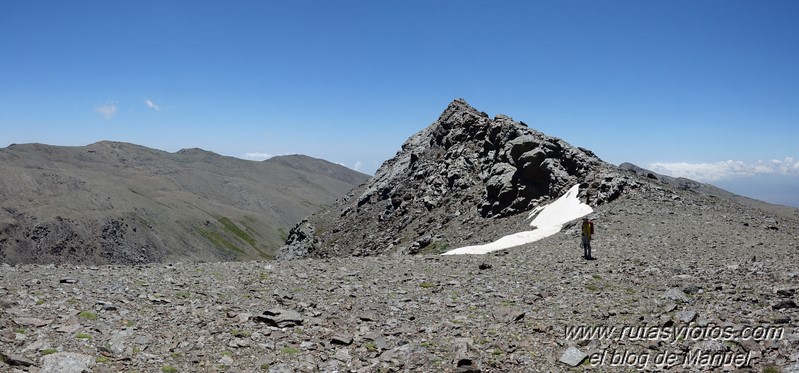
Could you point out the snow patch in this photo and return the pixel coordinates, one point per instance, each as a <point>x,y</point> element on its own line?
<point>547,220</point>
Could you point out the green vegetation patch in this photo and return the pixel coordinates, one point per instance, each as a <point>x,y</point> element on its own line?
<point>88,315</point>
<point>169,369</point>
<point>219,241</point>
<point>234,229</point>
<point>288,350</point>
<point>282,232</point>
<point>83,336</point>
<point>435,248</point>
<point>427,285</point>
<point>240,333</point>
<point>48,351</point>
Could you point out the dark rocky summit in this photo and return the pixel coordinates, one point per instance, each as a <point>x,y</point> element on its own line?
<point>460,181</point>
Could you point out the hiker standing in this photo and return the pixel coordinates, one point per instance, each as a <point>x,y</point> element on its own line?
<point>587,231</point>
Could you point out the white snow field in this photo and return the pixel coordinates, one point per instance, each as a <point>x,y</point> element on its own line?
<point>548,220</point>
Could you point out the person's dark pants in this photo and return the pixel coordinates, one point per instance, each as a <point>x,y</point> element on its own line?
<point>587,247</point>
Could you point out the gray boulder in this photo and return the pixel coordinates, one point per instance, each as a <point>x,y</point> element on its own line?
<point>301,242</point>
<point>280,318</point>
<point>572,356</point>
<point>67,362</point>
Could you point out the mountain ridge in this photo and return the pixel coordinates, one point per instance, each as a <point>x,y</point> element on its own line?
<point>116,202</point>
<point>463,180</point>
<point>711,190</point>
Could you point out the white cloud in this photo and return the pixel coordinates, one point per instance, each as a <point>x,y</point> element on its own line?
<point>727,169</point>
<point>256,156</point>
<point>152,105</point>
<point>108,110</point>
<point>357,166</point>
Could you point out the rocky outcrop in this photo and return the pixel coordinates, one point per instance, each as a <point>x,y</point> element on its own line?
<point>301,242</point>
<point>456,182</point>
<point>505,164</point>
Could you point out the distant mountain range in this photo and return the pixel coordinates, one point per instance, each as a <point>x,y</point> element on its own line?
<point>710,190</point>
<point>113,202</point>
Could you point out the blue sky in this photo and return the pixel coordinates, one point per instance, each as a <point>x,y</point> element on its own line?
<point>708,89</point>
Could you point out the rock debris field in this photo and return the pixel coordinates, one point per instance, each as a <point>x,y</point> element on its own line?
<point>673,260</point>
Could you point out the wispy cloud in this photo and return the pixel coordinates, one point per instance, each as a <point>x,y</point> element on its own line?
<point>108,110</point>
<point>152,105</point>
<point>256,156</point>
<point>357,166</point>
<point>727,169</point>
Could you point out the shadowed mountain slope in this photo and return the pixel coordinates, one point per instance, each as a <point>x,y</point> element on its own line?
<point>112,202</point>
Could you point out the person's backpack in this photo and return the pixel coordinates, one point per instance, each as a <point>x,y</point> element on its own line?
<point>591,225</point>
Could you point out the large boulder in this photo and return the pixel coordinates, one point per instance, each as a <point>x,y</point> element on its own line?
<point>301,242</point>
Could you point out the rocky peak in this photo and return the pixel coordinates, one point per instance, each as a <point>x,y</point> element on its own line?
<point>463,171</point>
<point>511,164</point>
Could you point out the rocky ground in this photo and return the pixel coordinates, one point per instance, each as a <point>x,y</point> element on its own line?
<point>665,259</point>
